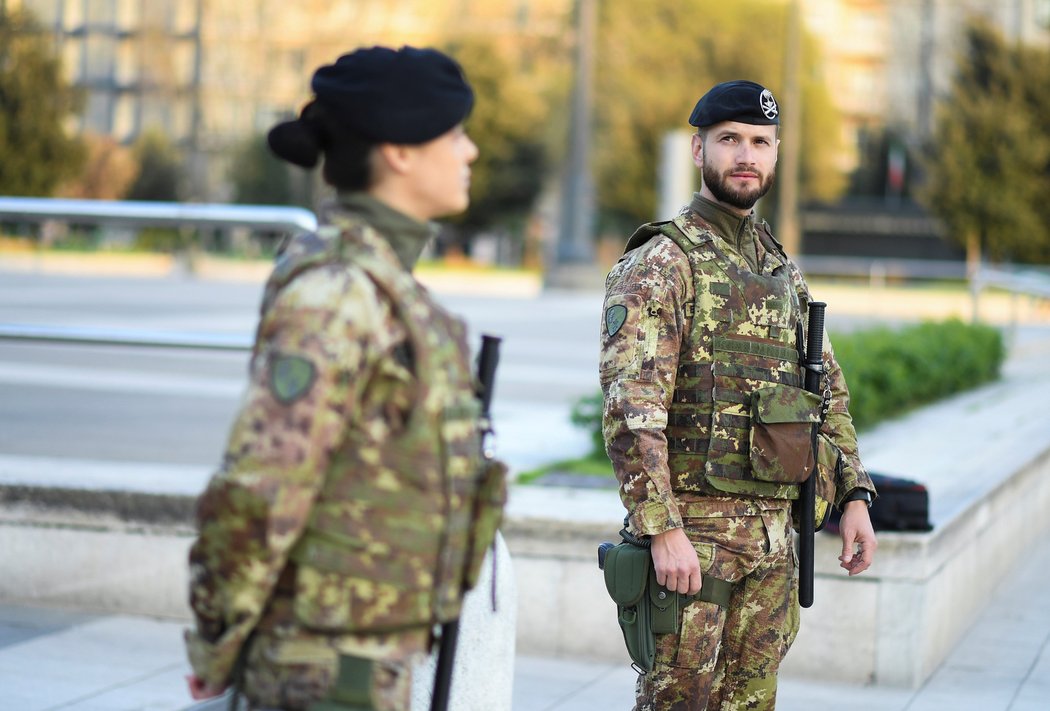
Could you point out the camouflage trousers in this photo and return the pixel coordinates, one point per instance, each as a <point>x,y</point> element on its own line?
<point>294,677</point>
<point>727,660</point>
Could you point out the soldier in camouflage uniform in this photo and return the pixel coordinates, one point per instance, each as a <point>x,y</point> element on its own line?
<point>352,507</point>
<point>707,424</point>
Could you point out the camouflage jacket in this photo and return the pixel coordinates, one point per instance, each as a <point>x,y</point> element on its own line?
<point>648,324</point>
<point>339,519</point>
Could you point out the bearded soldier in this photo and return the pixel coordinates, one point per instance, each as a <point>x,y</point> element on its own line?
<point>352,507</point>
<point>702,325</point>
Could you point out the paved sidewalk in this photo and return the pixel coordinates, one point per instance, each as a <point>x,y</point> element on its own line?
<point>1002,664</point>
<point>55,660</point>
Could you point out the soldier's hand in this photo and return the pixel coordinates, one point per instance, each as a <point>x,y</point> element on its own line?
<point>200,690</point>
<point>677,565</point>
<point>858,538</point>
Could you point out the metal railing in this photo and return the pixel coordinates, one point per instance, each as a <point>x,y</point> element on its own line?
<point>133,213</point>
<point>90,336</point>
<point>130,213</point>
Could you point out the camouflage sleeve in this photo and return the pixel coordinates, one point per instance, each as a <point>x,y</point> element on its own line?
<point>641,336</point>
<point>312,339</point>
<point>838,426</point>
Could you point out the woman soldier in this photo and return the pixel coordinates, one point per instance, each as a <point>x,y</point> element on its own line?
<point>352,506</point>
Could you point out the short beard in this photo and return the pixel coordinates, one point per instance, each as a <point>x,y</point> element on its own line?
<point>740,199</point>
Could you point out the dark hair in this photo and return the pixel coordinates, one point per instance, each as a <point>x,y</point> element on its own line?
<point>302,141</point>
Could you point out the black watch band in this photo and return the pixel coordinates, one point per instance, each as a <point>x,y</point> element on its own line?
<point>858,495</point>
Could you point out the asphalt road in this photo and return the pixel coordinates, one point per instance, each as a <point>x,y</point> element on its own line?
<point>82,407</point>
<point>97,404</point>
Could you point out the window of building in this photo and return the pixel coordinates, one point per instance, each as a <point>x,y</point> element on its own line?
<point>98,112</point>
<point>124,118</point>
<point>99,58</point>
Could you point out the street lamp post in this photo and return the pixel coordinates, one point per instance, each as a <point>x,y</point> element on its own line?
<point>573,251</point>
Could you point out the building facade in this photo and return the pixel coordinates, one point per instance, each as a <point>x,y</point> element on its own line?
<point>209,74</point>
<point>890,60</point>
<point>212,73</point>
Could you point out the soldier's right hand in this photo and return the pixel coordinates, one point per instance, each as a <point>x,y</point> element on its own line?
<point>677,565</point>
<point>200,690</point>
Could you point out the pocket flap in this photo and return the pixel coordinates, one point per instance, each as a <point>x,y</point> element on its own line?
<point>776,404</point>
<point>626,573</point>
<point>659,597</point>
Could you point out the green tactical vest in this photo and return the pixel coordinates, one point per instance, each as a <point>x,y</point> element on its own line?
<point>739,413</point>
<point>387,544</point>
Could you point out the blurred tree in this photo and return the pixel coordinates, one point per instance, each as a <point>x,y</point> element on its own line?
<point>259,177</point>
<point>36,152</point>
<point>160,170</point>
<point>516,81</point>
<point>989,161</point>
<point>652,66</point>
<point>108,171</point>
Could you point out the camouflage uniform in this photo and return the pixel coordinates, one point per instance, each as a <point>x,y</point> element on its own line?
<point>701,322</point>
<point>339,525</point>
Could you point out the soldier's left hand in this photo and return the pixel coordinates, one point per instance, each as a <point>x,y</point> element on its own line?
<point>858,538</point>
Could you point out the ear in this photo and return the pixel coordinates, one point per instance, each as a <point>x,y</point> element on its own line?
<point>398,158</point>
<point>698,150</point>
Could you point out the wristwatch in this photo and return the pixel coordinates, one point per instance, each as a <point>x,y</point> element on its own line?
<point>857,495</point>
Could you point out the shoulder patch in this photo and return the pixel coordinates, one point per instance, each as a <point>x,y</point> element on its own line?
<point>615,317</point>
<point>291,377</point>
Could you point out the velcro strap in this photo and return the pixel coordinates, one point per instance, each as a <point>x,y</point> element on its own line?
<point>715,590</point>
<point>769,350</point>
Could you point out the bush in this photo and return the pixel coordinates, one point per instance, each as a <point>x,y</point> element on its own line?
<point>889,371</point>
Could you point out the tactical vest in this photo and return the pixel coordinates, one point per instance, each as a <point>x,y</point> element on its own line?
<point>740,422</point>
<point>388,541</point>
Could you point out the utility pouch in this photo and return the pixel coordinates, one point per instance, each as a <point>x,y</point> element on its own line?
<point>784,424</point>
<point>627,570</point>
<point>644,607</point>
<point>352,689</point>
<point>486,517</point>
<point>665,606</point>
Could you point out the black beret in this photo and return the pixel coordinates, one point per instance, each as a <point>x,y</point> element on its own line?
<point>741,101</point>
<point>407,95</point>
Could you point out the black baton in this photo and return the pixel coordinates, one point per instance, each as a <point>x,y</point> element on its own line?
<point>814,365</point>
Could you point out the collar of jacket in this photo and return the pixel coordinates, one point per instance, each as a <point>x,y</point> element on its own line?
<point>406,236</point>
<point>738,231</point>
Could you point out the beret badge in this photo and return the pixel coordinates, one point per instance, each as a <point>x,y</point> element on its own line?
<point>768,104</point>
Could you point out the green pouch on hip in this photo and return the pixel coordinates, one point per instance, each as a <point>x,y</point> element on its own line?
<point>627,569</point>
<point>644,607</point>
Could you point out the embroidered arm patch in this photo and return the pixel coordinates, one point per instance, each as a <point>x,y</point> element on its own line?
<point>291,377</point>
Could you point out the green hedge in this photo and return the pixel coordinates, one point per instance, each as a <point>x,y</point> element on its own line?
<point>889,371</point>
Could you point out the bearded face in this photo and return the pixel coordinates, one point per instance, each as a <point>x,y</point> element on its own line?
<point>732,186</point>
<point>738,162</point>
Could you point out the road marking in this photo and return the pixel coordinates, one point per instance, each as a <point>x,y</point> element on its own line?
<point>47,376</point>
